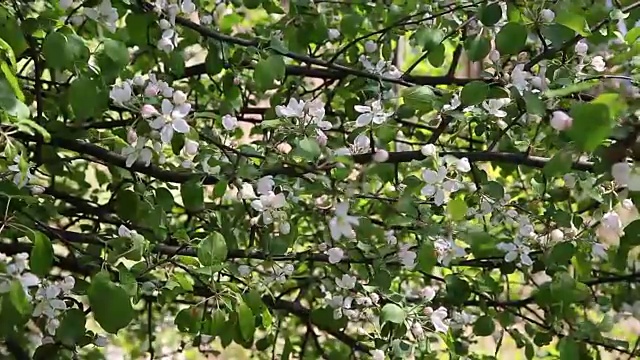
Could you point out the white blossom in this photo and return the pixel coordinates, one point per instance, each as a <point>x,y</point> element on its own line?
<point>611,221</point>
<point>172,119</point>
<point>333,34</point>
<point>494,106</point>
<point>103,13</point>
<point>429,150</point>
<point>514,250</point>
<point>448,250</point>
<point>247,192</point>
<point>187,6</point>
<point>294,108</point>
<point>168,41</point>
<point>265,184</point>
<point>346,282</point>
<point>438,318</point>
<point>269,206</point>
<point>428,293</point>
<point>463,165</point>
<point>206,20</point>
<point>598,63</point>
<point>370,46</point>
<point>335,255</point>
<point>453,104</point>
<point>138,152</point>
<point>374,113</point>
<point>20,178</point>
<point>229,122</point>
<point>121,94</point>
<point>520,78</point>
<point>417,331</point>
<point>407,257</point>
<point>377,354</point>
<point>65,4</point>
<point>390,237</point>
<point>342,223</point>
<point>599,251</point>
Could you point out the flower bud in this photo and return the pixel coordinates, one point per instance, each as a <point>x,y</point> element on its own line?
<point>132,136</point>
<point>581,48</point>
<point>190,147</point>
<point>556,235</point>
<point>494,55</point>
<point>37,190</point>
<point>428,150</point>
<point>547,15</point>
<point>561,121</point>
<point>370,46</point>
<point>179,97</point>
<point>381,155</point>
<point>151,90</point>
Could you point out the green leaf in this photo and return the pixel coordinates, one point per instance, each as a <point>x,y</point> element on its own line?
<point>188,320</point>
<point>83,98</point>
<point>65,51</point>
<point>484,326</point>
<point>72,327</point>
<point>213,62</point>
<point>212,250</point>
<point>559,164</point>
<point>10,103</point>
<point>478,47</point>
<point>419,97</point>
<point>192,195</point>
<point>570,89</point>
<point>220,188</point>
<point>52,50</point>
<point>310,147</point>
<point>268,70</point>
<point>457,209</point>
<point>561,254</point>
<point>429,37</point>
<point>19,298</point>
<point>569,349</point>
<point>437,55</point>
<point>29,125</point>
<point>116,51</point>
<point>511,38</point>
<point>631,235</point>
<point>474,93</point>
<point>246,321</point>
<point>41,259</point>
<point>534,104</point>
<point>111,305</point>
<point>574,21</point>
<point>392,313</point>
<point>490,14</point>
<point>10,77</point>
<point>591,125</point>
